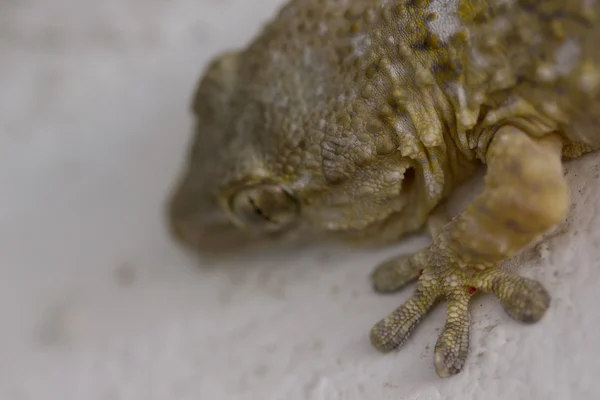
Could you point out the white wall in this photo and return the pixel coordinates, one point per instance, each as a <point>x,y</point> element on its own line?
<point>96,301</point>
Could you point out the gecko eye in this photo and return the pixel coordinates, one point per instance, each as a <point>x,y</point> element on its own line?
<point>264,207</point>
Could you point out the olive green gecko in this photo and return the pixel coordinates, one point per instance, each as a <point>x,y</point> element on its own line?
<point>357,119</point>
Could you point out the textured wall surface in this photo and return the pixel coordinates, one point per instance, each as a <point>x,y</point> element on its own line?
<point>96,301</point>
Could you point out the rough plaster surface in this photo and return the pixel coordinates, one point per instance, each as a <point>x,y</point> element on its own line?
<point>96,301</point>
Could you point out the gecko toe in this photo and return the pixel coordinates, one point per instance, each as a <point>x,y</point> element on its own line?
<point>394,274</point>
<point>392,331</point>
<point>452,347</point>
<point>523,299</point>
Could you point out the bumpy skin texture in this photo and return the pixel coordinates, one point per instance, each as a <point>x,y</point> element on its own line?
<point>356,119</point>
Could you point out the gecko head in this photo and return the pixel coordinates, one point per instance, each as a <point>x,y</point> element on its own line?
<point>262,170</point>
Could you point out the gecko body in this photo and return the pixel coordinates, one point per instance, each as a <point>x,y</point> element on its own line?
<point>357,119</point>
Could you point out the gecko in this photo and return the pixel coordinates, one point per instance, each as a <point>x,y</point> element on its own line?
<point>356,120</point>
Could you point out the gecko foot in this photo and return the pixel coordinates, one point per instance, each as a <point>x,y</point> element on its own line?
<point>523,299</point>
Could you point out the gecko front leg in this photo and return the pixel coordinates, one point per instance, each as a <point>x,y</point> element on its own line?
<point>525,195</point>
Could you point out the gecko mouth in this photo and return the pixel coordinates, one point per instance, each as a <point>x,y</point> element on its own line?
<point>213,233</point>
<point>216,239</point>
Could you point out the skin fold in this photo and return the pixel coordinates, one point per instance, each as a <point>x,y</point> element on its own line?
<point>356,119</point>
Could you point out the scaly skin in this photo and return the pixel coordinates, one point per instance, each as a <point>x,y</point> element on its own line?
<point>356,119</point>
